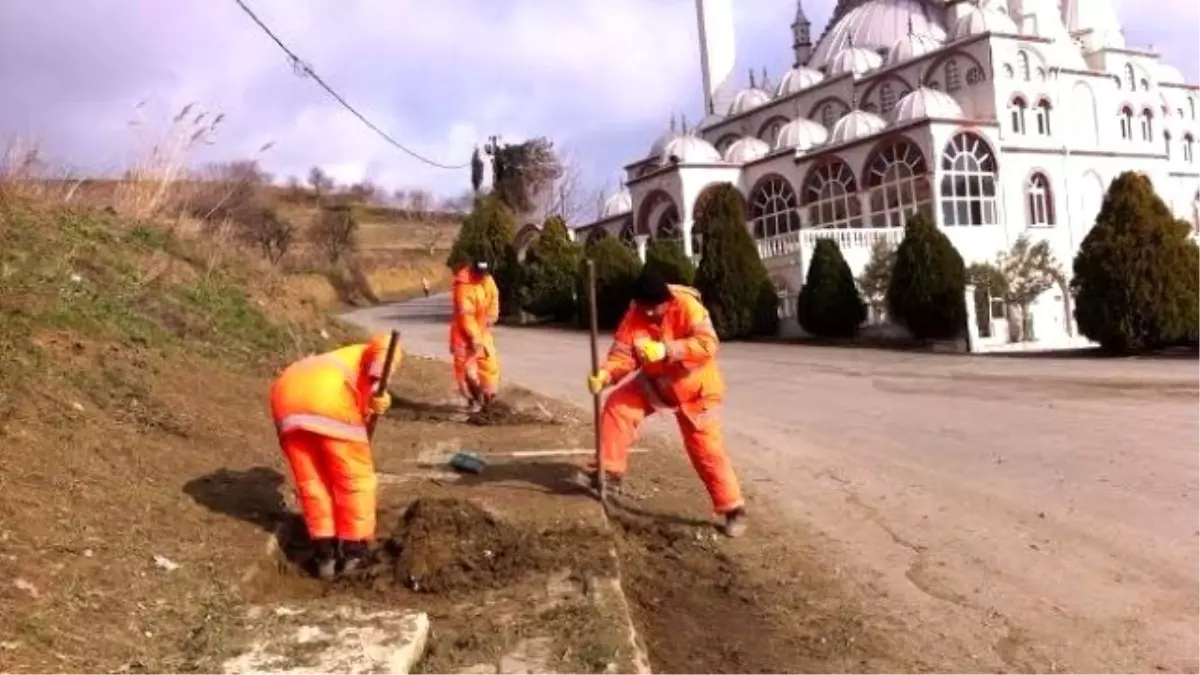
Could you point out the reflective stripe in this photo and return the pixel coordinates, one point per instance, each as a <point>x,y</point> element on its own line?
<point>321,423</point>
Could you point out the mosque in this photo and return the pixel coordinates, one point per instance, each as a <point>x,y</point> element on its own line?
<point>993,117</point>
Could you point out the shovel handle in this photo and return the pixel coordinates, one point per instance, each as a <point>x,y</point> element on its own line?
<point>385,379</point>
<point>594,322</point>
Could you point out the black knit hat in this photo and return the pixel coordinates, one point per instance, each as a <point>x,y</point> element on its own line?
<point>650,288</point>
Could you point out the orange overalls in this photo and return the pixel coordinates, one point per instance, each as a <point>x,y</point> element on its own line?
<point>476,310</point>
<point>686,382</point>
<point>320,409</point>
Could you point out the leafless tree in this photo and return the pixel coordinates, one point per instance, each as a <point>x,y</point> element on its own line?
<point>400,197</point>
<point>320,181</point>
<point>568,197</point>
<point>262,226</point>
<point>335,231</point>
<point>364,190</point>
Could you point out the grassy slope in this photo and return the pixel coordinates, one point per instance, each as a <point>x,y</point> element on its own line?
<point>130,363</point>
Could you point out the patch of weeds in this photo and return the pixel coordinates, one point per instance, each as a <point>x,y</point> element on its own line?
<point>123,396</point>
<point>147,236</point>
<point>233,317</point>
<point>591,635</point>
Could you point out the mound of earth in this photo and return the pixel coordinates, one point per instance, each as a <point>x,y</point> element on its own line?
<point>447,545</point>
<point>499,413</point>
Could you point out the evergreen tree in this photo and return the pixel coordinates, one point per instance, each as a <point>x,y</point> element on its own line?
<point>731,276</point>
<point>617,267</point>
<point>829,304</point>
<point>927,290</point>
<point>487,234</point>
<point>548,276</point>
<point>476,173</point>
<point>877,274</point>
<point>1137,276</point>
<point>668,258</point>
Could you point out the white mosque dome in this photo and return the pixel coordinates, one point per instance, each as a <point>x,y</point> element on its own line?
<point>979,20</point>
<point>877,25</point>
<point>856,124</point>
<point>854,61</point>
<point>746,149</point>
<point>617,204</point>
<point>689,149</point>
<point>798,79</point>
<point>1165,73</point>
<point>926,103</point>
<point>911,47</point>
<point>661,143</point>
<point>747,100</point>
<point>801,134</point>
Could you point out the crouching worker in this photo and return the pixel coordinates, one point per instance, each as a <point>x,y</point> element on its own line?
<point>321,406</point>
<point>667,338</point>
<point>476,306</point>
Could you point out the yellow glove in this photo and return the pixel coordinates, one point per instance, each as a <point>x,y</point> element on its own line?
<point>597,382</point>
<point>381,403</point>
<point>652,351</point>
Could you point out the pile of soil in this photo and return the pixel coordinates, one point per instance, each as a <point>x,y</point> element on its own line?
<point>499,413</point>
<point>447,545</point>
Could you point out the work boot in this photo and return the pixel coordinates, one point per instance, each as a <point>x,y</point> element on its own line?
<point>355,556</point>
<point>612,481</point>
<point>735,523</point>
<point>325,558</point>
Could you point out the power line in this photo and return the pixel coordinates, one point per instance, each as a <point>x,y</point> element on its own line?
<point>306,70</point>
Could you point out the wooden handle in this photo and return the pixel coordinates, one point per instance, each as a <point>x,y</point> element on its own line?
<point>595,335</point>
<point>385,378</point>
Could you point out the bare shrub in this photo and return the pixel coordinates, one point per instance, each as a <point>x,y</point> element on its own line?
<point>335,232</point>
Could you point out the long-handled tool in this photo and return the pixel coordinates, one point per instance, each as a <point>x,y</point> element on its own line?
<point>595,335</point>
<point>385,378</point>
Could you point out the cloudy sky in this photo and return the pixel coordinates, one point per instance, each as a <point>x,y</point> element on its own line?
<point>600,77</point>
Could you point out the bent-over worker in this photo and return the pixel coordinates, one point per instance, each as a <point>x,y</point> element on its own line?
<point>476,302</point>
<point>668,339</point>
<point>321,406</point>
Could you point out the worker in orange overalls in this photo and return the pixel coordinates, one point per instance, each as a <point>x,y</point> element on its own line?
<point>476,310</point>
<point>667,337</point>
<point>321,406</point>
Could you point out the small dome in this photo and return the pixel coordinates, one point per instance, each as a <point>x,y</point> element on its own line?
<point>746,149</point>
<point>1165,73</point>
<point>980,20</point>
<point>801,134</point>
<point>855,61</point>
<point>877,25</point>
<point>911,47</point>
<point>617,204</point>
<point>660,143</point>
<point>856,124</point>
<point>748,99</point>
<point>689,149</point>
<point>926,103</point>
<point>799,79</point>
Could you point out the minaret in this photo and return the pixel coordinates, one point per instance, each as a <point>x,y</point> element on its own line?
<point>717,50</point>
<point>801,36</point>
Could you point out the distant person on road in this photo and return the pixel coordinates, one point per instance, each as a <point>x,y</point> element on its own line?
<point>321,406</point>
<point>425,285</point>
<point>476,307</point>
<point>667,338</point>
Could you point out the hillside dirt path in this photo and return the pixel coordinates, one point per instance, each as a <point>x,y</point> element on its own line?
<point>998,514</point>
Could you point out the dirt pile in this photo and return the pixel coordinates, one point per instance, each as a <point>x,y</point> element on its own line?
<point>448,545</point>
<point>500,413</point>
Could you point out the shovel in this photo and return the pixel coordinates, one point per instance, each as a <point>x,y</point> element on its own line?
<point>385,380</point>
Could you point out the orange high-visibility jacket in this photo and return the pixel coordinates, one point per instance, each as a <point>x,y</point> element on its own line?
<point>328,394</point>
<point>688,377</point>
<point>476,309</point>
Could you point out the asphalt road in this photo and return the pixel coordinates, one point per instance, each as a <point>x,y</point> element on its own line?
<point>1012,512</point>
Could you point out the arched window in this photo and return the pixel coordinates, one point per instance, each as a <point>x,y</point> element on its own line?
<point>1023,66</point>
<point>773,208</point>
<point>1039,201</point>
<point>1130,77</point>
<point>898,185</point>
<point>975,75</point>
<point>1167,142</point>
<point>668,225</point>
<point>1192,105</point>
<point>1016,110</point>
<point>831,112</point>
<point>1127,123</point>
<point>968,183</point>
<point>1145,84</point>
<point>724,142</point>
<point>770,130</point>
<point>1188,149</point>
<point>1042,113</point>
<point>1147,125</point>
<point>887,97</point>
<point>953,79</point>
<point>831,195</point>
<point>627,235</point>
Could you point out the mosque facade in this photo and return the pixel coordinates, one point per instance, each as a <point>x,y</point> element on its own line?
<point>995,118</point>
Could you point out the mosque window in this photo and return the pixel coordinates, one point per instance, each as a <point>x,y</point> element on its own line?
<point>898,185</point>
<point>668,225</point>
<point>1167,142</point>
<point>1040,201</point>
<point>1017,112</point>
<point>1042,113</point>
<point>773,208</point>
<point>829,115</point>
<point>1130,77</point>
<point>968,182</point>
<point>1145,84</point>
<point>724,142</point>
<point>1127,123</point>
<point>953,79</point>
<point>1147,126</point>
<point>1023,65</point>
<point>770,130</point>
<point>832,199</point>
<point>1008,71</point>
<point>627,235</point>
<point>887,97</point>
<point>1192,105</point>
<point>1188,149</point>
<point>975,75</point>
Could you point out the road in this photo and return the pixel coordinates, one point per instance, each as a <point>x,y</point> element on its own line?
<point>1027,512</point>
